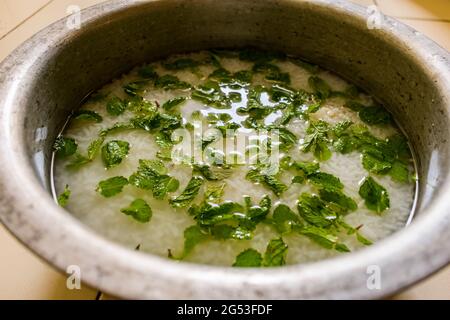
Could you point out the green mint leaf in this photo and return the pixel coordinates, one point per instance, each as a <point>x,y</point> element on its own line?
<point>375,115</point>
<point>325,180</point>
<point>316,140</point>
<point>212,173</point>
<point>320,87</point>
<point>209,215</point>
<point>166,184</point>
<point>115,106</point>
<point>139,210</point>
<point>285,219</point>
<point>189,193</point>
<point>374,162</point>
<point>114,152</point>
<point>336,196</point>
<point>135,88</point>
<point>248,258</point>
<point>65,147</point>
<point>214,192</point>
<point>192,236</point>
<point>400,172</point>
<point>354,105</point>
<point>269,181</point>
<point>78,161</point>
<point>375,196</point>
<point>363,240</point>
<point>151,175</point>
<point>148,72</point>
<point>94,148</point>
<point>324,238</point>
<point>170,82</point>
<point>315,211</point>
<point>225,232</point>
<point>63,198</point>
<point>87,115</point>
<point>211,95</point>
<point>275,254</point>
<point>112,186</point>
<point>170,104</point>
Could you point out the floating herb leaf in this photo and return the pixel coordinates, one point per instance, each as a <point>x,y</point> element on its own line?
<point>320,87</point>
<point>375,115</point>
<point>188,195</point>
<point>116,106</point>
<point>248,258</point>
<point>112,186</point>
<point>87,115</point>
<point>170,104</point>
<point>63,198</point>
<point>275,254</point>
<point>170,82</point>
<point>139,210</point>
<point>65,147</point>
<point>114,152</point>
<point>375,196</point>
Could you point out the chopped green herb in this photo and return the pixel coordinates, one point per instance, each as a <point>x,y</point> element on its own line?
<point>214,192</point>
<point>170,82</point>
<point>325,180</point>
<point>112,186</point>
<point>339,198</point>
<point>135,88</point>
<point>114,152</point>
<point>285,219</point>
<point>65,147</point>
<point>320,87</point>
<point>375,115</point>
<point>275,254</point>
<point>87,115</point>
<point>257,175</point>
<point>148,72</point>
<point>248,258</point>
<point>116,106</point>
<point>151,175</point>
<point>211,95</point>
<point>375,196</point>
<point>324,238</point>
<point>170,104</point>
<point>188,195</point>
<point>316,140</point>
<point>193,236</point>
<point>139,210</point>
<point>212,172</point>
<point>63,198</point>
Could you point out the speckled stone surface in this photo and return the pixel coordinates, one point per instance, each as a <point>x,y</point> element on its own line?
<point>47,77</point>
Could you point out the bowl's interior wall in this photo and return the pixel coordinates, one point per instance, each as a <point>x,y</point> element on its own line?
<point>106,48</point>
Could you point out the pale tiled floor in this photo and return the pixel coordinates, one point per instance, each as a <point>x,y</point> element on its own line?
<point>24,276</point>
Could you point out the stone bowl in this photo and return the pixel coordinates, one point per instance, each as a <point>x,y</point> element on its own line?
<point>48,76</point>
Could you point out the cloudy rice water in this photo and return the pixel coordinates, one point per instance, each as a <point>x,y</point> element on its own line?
<point>300,165</point>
